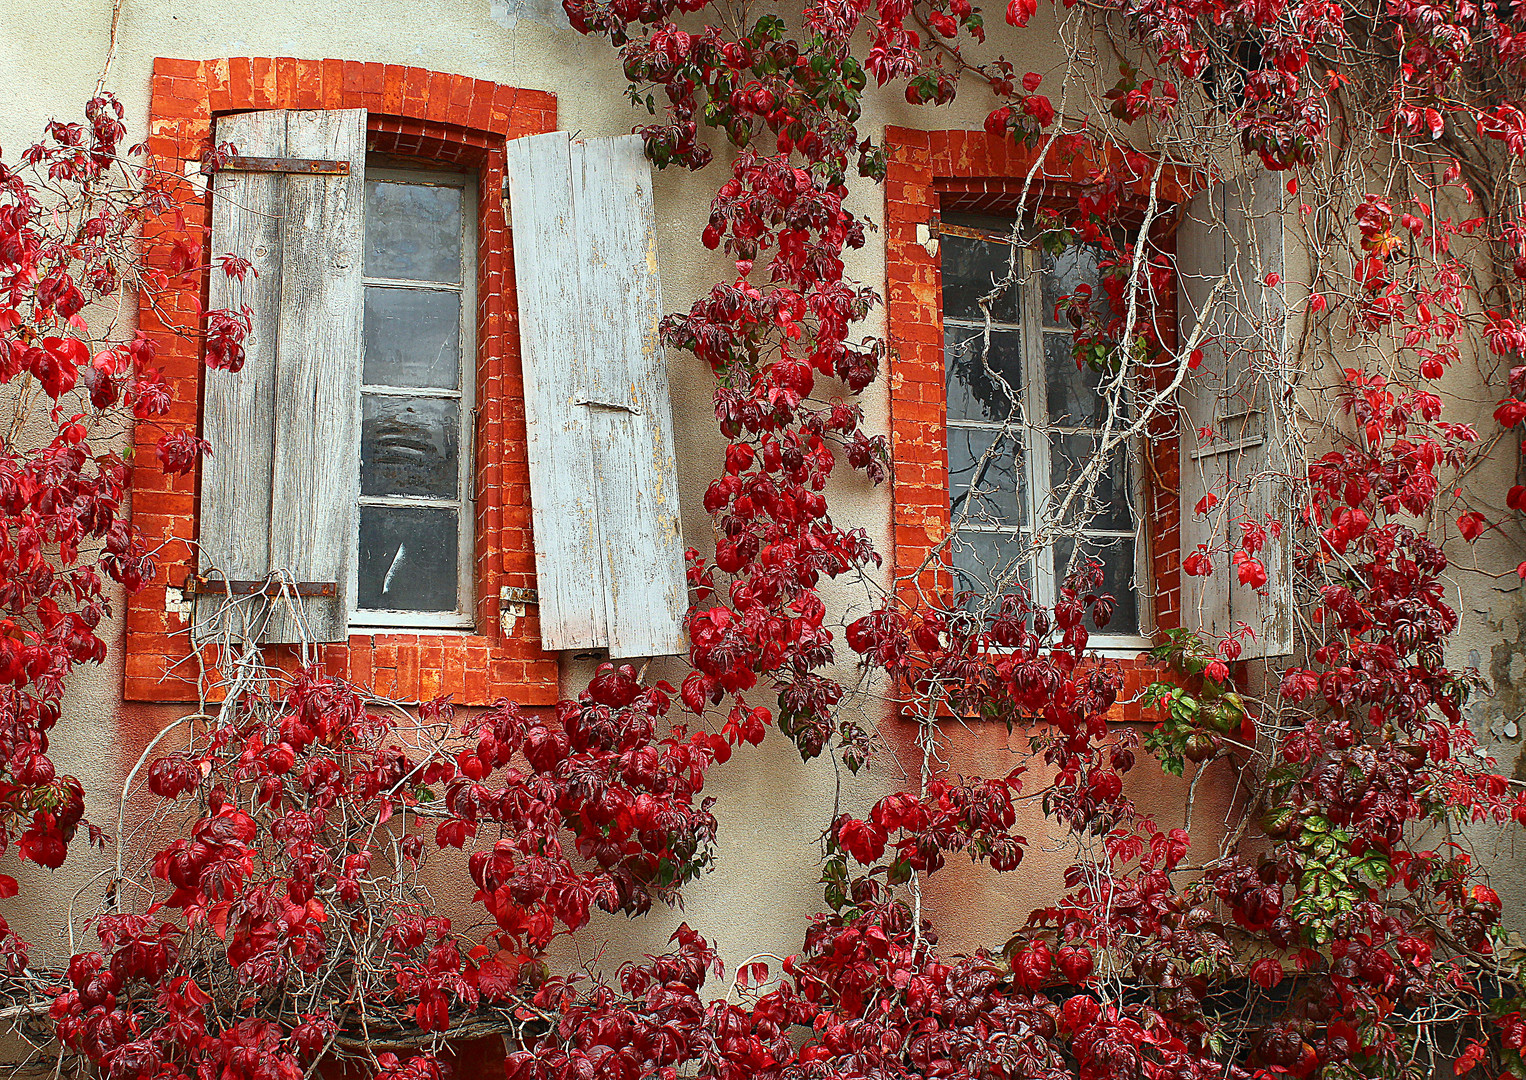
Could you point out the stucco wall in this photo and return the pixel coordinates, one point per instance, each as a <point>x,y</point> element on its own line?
<point>772,807</point>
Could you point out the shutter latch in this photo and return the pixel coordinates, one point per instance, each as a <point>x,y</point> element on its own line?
<point>634,410</point>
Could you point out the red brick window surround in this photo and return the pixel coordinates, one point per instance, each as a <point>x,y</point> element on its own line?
<point>416,114</point>
<point>929,173</point>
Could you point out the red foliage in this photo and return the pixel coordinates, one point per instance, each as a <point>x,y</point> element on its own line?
<point>309,815</point>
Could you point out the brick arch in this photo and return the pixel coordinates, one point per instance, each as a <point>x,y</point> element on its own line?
<point>415,113</point>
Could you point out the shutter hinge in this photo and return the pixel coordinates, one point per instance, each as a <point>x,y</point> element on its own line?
<point>304,166</point>
<point>196,585</point>
<point>511,606</point>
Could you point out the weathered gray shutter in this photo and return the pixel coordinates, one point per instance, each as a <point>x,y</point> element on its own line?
<point>603,484</point>
<point>279,494</point>
<point>1232,440</point>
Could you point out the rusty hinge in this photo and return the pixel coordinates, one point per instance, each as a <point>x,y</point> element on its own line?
<point>196,585</point>
<point>513,605</point>
<point>305,166</point>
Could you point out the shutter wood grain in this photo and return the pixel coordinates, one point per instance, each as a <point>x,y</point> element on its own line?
<point>1253,213</point>
<point>637,481</point>
<point>1231,235</point>
<point>604,488</point>
<point>238,409</point>
<point>315,471</point>
<point>280,491</point>
<point>1201,244</point>
<point>555,347</point>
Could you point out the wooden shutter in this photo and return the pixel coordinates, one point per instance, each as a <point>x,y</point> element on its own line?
<point>603,484</point>
<point>1232,435</point>
<point>279,494</point>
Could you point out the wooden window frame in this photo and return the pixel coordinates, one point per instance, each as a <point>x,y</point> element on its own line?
<point>431,118</point>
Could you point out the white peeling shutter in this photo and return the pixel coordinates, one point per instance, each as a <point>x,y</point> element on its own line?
<point>603,484</point>
<point>1232,439</point>
<point>279,494</point>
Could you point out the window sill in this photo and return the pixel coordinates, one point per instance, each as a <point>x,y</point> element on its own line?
<point>406,666</point>
<point>1120,648</point>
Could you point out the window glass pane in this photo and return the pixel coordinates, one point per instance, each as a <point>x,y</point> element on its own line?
<point>408,558</point>
<point>993,488</point>
<point>1064,273</point>
<point>991,564</point>
<point>413,338</point>
<point>1116,554</point>
<point>410,446</point>
<point>1073,393</point>
<point>983,388</point>
<point>971,268</point>
<point>413,231</point>
<point>1068,455</point>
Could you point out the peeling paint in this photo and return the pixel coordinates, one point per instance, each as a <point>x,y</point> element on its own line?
<point>507,13</point>
<point>1496,713</point>
<point>177,603</point>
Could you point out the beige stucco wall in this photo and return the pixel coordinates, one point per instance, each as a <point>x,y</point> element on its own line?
<point>772,807</point>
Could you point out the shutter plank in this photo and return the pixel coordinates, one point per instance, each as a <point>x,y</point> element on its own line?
<point>554,339</point>
<point>279,492</point>
<point>1236,229</point>
<point>315,472</point>
<point>1253,212</point>
<point>637,487</point>
<point>604,488</point>
<point>238,410</point>
<point>1201,243</point>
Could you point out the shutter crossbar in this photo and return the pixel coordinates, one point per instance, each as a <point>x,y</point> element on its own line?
<point>1227,448</point>
<point>305,166</point>
<point>196,585</point>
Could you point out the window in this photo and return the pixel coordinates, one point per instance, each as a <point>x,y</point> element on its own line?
<point>1023,422</point>
<point>415,536</point>
<point>340,498</point>
<point>242,519</point>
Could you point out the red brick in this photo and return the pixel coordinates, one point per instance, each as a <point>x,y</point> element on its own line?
<point>453,670</point>
<point>331,83</point>
<point>308,86</point>
<point>360,660</point>
<point>408,666</point>
<point>286,80</point>
<point>185,69</point>
<point>392,89</point>
<point>415,90</point>
<point>384,683</point>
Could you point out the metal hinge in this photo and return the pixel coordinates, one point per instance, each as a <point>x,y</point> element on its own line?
<point>196,585</point>
<point>304,166</point>
<point>512,605</point>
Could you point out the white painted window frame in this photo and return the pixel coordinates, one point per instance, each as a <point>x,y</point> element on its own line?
<point>463,619</point>
<point>1036,457</point>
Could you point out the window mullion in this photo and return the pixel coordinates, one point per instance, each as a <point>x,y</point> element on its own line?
<point>1035,428</point>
